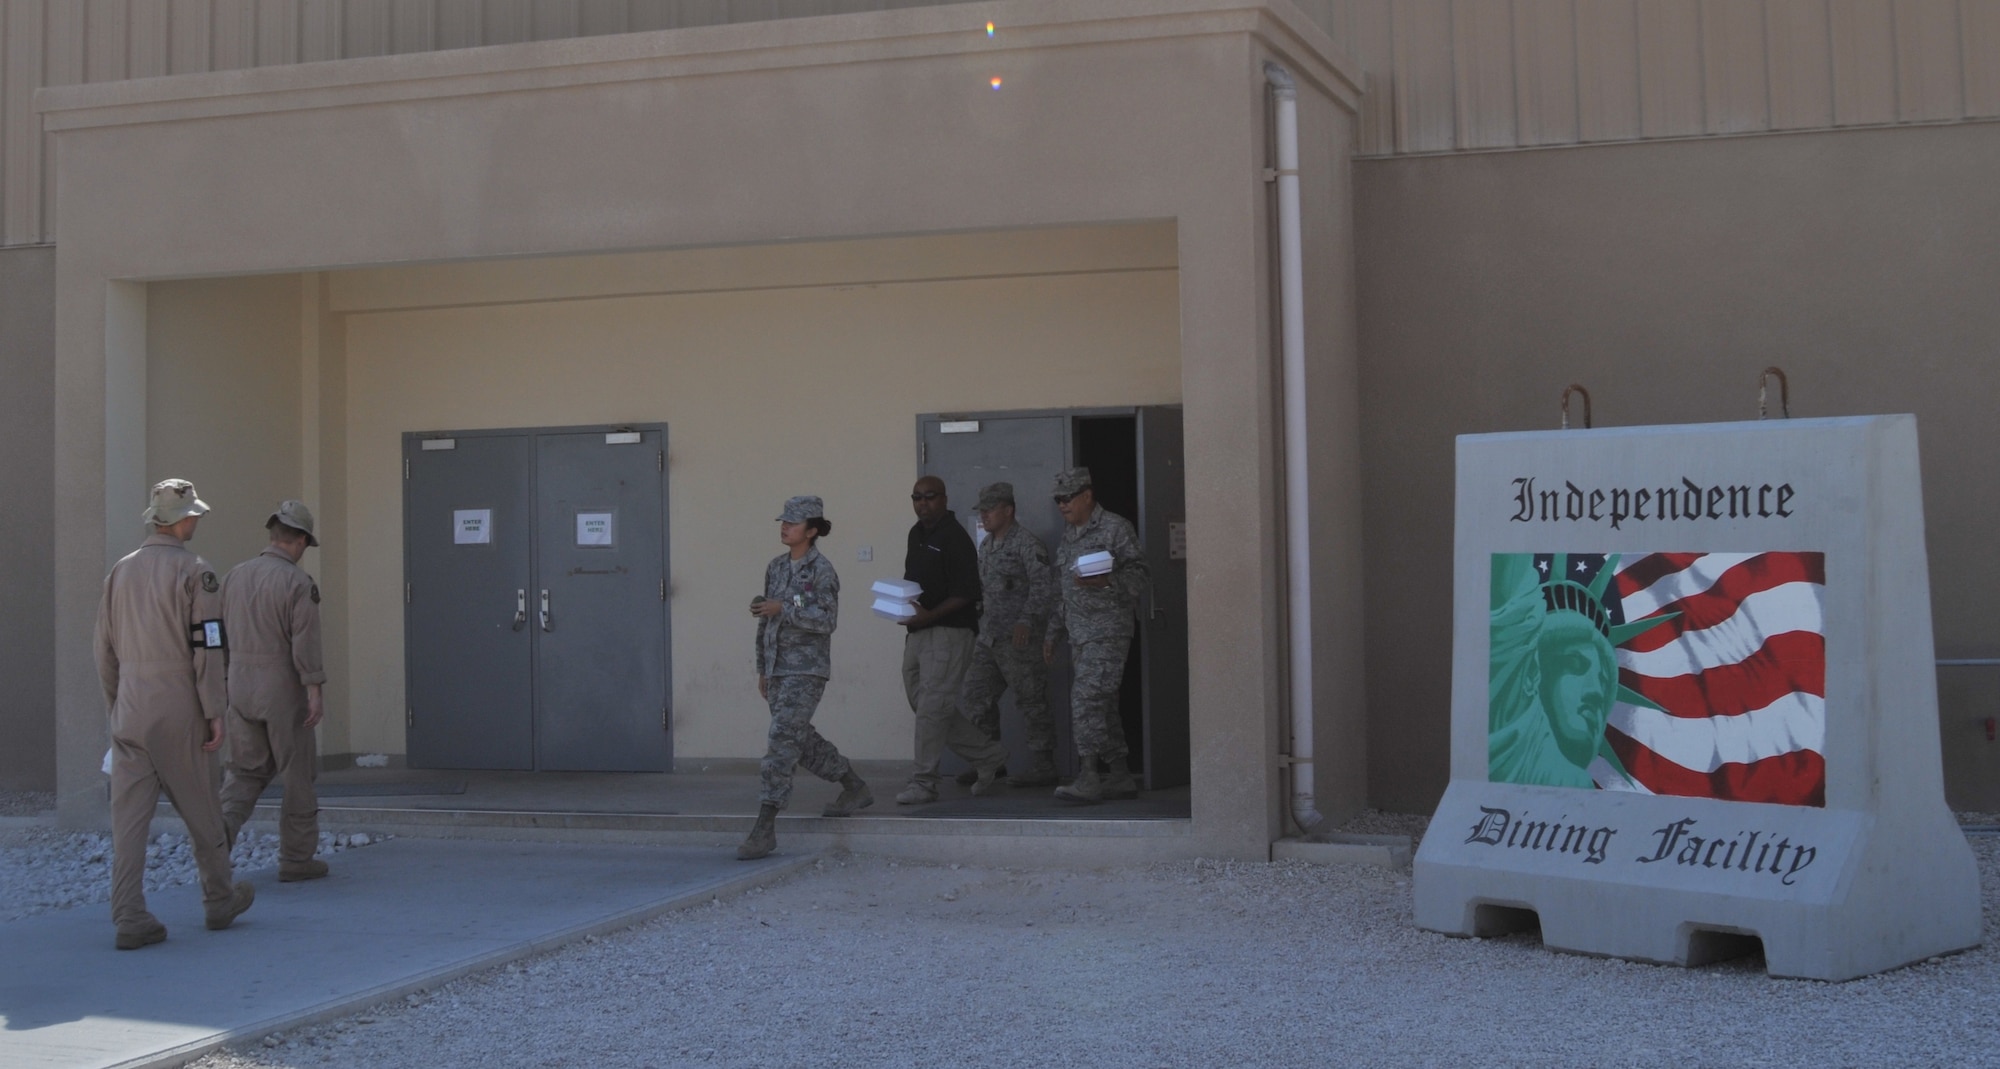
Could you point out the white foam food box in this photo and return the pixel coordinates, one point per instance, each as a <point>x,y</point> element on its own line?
<point>892,609</point>
<point>1098,563</point>
<point>897,589</point>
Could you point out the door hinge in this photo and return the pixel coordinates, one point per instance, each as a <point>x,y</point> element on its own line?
<point>663,718</point>
<point>406,469</point>
<point>923,454</point>
<point>406,593</point>
<point>663,590</point>
<point>662,455</point>
<point>409,717</point>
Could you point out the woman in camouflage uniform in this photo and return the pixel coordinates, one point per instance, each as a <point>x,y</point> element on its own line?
<point>796,616</point>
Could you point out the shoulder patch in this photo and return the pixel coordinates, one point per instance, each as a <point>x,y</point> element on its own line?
<point>208,582</point>
<point>315,594</point>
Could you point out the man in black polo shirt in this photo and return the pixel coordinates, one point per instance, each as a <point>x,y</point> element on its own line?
<point>942,560</point>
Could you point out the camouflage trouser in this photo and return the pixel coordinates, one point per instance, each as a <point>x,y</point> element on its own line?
<point>793,740</point>
<point>1099,670</point>
<point>998,667</point>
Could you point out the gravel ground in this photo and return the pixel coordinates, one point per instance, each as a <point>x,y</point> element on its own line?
<point>865,962</point>
<point>26,803</point>
<point>42,869</point>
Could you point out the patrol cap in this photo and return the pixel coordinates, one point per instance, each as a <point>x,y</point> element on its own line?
<point>1073,481</point>
<point>996,495</point>
<point>173,500</point>
<point>802,508</point>
<point>296,515</point>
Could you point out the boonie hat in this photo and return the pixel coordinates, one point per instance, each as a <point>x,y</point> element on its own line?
<point>802,508</point>
<point>172,501</point>
<point>996,495</point>
<point>296,515</point>
<point>1073,481</point>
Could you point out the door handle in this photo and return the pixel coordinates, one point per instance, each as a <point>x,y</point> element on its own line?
<point>548,622</point>
<point>520,609</point>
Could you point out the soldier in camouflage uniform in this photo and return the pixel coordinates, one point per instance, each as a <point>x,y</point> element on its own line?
<point>1017,590</point>
<point>1098,615</point>
<point>796,616</point>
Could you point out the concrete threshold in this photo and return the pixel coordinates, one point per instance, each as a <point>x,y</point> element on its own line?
<point>393,919</point>
<point>1082,843</point>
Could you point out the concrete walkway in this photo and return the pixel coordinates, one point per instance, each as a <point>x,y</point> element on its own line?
<point>393,917</point>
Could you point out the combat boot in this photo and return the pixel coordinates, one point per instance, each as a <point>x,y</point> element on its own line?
<point>763,835</point>
<point>220,915</point>
<point>854,794</point>
<point>1086,788</point>
<point>143,935</point>
<point>1118,783</point>
<point>984,781</point>
<point>295,871</point>
<point>1042,775</point>
<point>971,776</point>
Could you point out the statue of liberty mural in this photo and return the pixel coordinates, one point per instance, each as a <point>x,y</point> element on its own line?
<point>1554,675</point>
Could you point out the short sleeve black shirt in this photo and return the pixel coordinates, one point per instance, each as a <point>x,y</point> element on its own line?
<point>945,563</point>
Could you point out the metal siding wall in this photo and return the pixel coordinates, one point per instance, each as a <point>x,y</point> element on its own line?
<point>1545,67</point>
<point>1439,75</point>
<point>1801,76</point>
<point>1607,70</point>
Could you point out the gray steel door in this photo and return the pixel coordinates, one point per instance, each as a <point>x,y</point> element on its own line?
<point>599,610</point>
<point>468,557</point>
<point>1163,632</point>
<point>1027,451</point>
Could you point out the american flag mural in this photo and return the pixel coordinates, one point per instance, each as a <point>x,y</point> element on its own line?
<point>1725,697</point>
<point>1693,674</point>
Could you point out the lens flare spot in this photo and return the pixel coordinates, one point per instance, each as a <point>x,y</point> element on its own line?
<point>989,29</point>
<point>995,83</point>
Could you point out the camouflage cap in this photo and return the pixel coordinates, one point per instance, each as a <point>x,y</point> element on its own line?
<point>802,508</point>
<point>996,495</point>
<point>1073,481</point>
<point>297,516</point>
<point>173,500</point>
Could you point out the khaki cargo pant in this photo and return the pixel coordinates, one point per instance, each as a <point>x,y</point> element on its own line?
<point>163,756</point>
<point>934,663</point>
<point>282,749</point>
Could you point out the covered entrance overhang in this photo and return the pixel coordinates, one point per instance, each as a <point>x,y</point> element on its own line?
<point>783,241</point>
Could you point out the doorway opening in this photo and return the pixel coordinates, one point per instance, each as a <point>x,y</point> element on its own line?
<point>1136,466</point>
<point>1109,447</point>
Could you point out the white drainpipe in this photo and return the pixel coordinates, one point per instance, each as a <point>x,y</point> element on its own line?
<point>1298,563</point>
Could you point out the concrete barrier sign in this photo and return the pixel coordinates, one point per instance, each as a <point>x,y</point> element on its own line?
<point>1694,700</point>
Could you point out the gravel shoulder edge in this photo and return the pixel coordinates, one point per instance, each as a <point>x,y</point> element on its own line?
<point>343,1005</point>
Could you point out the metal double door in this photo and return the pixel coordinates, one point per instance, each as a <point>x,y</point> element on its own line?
<point>1027,449</point>
<point>535,608</point>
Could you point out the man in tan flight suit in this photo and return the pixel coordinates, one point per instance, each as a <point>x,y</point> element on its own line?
<point>160,641</point>
<point>270,608</point>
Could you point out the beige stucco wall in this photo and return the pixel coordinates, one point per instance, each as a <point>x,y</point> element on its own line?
<point>27,527</point>
<point>766,393</point>
<point>1664,277</point>
<point>222,405</point>
<point>741,135</point>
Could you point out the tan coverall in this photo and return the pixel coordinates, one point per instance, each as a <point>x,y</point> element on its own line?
<point>270,607</point>
<point>160,690</point>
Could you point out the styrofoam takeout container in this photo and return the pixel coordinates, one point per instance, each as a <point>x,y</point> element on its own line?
<point>892,609</point>
<point>1098,563</point>
<point>897,589</point>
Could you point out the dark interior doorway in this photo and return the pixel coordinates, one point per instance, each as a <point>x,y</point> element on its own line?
<point>1109,447</point>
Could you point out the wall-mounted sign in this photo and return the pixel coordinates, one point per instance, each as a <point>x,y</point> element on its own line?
<point>1694,698</point>
<point>472,527</point>
<point>596,529</point>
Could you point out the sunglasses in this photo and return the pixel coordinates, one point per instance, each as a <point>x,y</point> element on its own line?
<point>925,495</point>
<point>1064,499</point>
